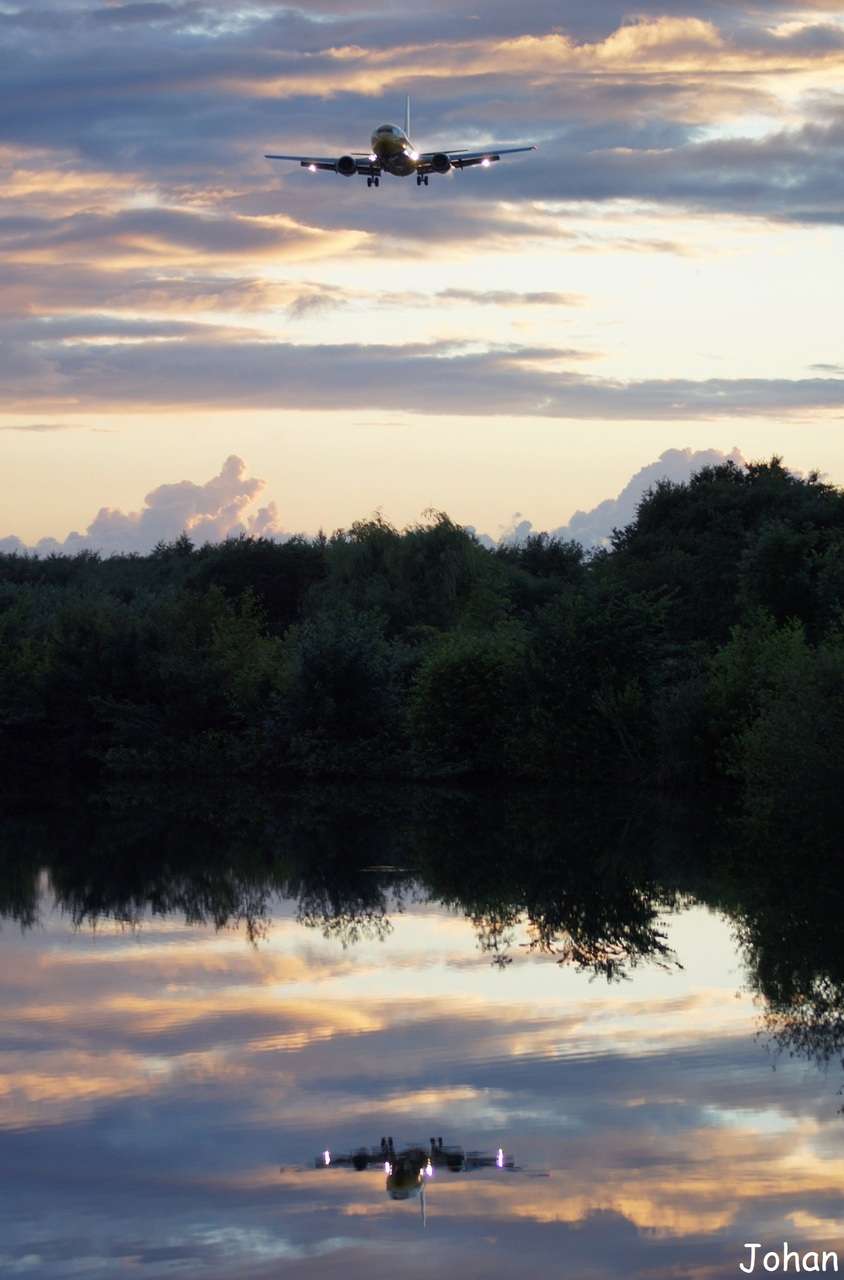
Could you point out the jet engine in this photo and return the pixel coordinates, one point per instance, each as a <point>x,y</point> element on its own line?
<point>440,163</point>
<point>347,166</point>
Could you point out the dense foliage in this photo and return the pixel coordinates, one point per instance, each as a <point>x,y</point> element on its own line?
<point>705,642</point>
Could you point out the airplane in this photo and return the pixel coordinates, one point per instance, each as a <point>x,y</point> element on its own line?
<point>392,152</point>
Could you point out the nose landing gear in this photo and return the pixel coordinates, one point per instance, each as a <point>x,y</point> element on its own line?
<point>421,179</point>
<point>373,182</point>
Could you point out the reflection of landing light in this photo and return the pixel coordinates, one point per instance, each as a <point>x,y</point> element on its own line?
<point>326,1155</point>
<point>499,1159</point>
<point>486,162</point>
<point>429,1170</point>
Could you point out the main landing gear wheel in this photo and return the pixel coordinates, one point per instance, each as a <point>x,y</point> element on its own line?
<point>373,182</point>
<point>420,179</point>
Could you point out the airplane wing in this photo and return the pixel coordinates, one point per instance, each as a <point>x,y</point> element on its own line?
<point>360,1159</point>
<point>362,163</point>
<point>464,159</point>
<point>307,161</point>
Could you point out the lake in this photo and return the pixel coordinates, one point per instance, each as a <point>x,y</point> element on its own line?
<point>201,996</point>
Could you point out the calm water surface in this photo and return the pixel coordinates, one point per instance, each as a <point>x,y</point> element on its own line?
<point>165,1087</point>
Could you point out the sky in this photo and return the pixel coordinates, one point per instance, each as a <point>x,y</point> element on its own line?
<point>664,274</point>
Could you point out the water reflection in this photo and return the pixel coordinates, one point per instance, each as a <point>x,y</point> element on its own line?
<point>407,1169</point>
<point>208,988</point>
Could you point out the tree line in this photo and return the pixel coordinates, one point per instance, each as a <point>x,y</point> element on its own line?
<point>704,644</point>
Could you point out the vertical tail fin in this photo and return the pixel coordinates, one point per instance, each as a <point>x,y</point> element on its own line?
<point>407,117</point>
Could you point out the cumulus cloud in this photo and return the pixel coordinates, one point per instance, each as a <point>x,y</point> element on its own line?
<point>594,528</point>
<point>207,512</point>
<point>217,510</point>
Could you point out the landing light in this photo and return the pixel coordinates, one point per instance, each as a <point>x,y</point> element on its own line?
<point>326,1156</point>
<point>414,155</point>
<point>486,162</point>
<point>429,1170</point>
<point>372,158</point>
<point>388,1168</point>
<point>499,1159</point>
<point>312,169</point>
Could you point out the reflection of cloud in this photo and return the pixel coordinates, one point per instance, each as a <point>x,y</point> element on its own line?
<point>169,1105</point>
<point>65,1084</point>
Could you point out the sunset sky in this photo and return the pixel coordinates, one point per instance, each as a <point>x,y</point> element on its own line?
<point>666,272</point>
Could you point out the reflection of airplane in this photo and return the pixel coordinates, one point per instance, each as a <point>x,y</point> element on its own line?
<point>392,152</point>
<point>407,1169</point>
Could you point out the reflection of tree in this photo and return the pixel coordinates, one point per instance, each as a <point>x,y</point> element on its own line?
<point>608,956</point>
<point>576,874</point>
<point>348,904</point>
<point>496,933</point>
<point>19,874</point>
<point>606,924</point>
<point>606,937</point>
<point>577,869</point>
<point>788,912</point>
<point>812,1027</point>
<point>589,882</point>
<point>349,927</point>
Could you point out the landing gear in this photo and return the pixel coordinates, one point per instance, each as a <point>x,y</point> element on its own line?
<point>420,179</point>
<point>373,182</point>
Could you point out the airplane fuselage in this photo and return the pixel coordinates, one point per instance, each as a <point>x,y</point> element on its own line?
<point>394,151</point>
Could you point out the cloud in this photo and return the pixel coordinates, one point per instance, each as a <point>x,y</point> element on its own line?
<point>159,235</point>
<point>50,330</point>
<point>39,289</point>
<point>508,298</point>
<point>426,378</point>
<point>217,510</point>
<point>38,427</point>
<point>318,298</point>
<point>221,73</point>
<point>207,512</point>
<point>594,528</point>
